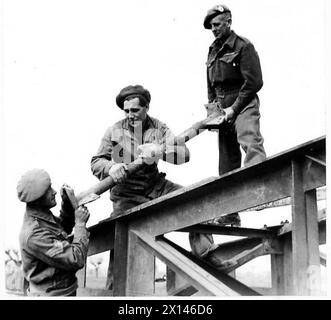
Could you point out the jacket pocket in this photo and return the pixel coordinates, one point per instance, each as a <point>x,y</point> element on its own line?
<point>227,67</point>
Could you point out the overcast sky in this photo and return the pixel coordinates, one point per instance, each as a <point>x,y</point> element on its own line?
<point>65,61</point>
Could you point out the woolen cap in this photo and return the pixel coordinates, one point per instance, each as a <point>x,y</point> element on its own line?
<point>32,185</point>
<point>132,91</point>
<point>213,12</point>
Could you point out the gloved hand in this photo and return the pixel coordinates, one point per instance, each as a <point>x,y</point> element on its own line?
<point>118,172</point>
<point>150,152</point>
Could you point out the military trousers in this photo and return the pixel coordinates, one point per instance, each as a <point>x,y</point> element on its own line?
<point>243,132</point>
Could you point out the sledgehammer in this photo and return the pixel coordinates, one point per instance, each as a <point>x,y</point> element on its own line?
<point>215,117</point>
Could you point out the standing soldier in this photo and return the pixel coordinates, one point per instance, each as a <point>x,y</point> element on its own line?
<point>50,259</point>
<point>233,78</point>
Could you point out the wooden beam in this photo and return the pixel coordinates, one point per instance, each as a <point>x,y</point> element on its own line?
<point>299,231</point>
<point>81,277</point>
<point>277,274</point>
<point>120,259</point>
<point>101,238</point>
<point>319,161</point>
<point>235,191</point>
<point>214,200</point>
<point>185,290</point>
<point>305,237</point>
<point>314,270</point>
<point>199,278</point>
<point>228,280</point>
<point>230,231</point>
<point>141,269</point>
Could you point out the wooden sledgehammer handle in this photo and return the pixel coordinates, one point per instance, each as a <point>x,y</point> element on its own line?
<point>108,182</point>
<point>136,165</point>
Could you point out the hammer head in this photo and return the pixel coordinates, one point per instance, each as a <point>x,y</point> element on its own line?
<point>89,198</point>
<point>216,115</point>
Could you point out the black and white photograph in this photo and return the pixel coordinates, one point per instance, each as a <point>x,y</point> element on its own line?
<point>164,150</point>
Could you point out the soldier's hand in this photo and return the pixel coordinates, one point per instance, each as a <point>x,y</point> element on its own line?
<point>150,152</point>
<point>81,215</point>
<point>68,197</point>
<point>63,193</point>
<point>118,172</point>
<point>230,115</point>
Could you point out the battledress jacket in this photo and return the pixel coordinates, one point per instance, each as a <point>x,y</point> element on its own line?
<point>119,145</point>
<point>50,258</point>
<point>233,66</point>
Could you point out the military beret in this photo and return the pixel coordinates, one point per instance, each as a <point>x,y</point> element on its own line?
<point>132,91</point>
<point>32,185</point>
<point>213,12</point>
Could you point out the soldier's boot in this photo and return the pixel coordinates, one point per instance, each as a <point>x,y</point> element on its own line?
<point>219,263</point>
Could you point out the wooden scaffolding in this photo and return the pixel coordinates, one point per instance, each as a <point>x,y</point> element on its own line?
<point>138,235</point>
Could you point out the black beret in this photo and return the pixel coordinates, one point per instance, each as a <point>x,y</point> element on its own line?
<point>213,12</point>
<point>132,91</point>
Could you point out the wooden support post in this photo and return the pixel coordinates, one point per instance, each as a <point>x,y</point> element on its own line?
<point>141,269</point>
<point>314,269</point>
<point>174,281</point>
<point>81,277</point>
<point>120,258</point>
<point>282,268</point>
<point>306,274</point>
<point>288,265</point>
<point>171,280</point>
<point>81,280</point>
<point>277,274</point>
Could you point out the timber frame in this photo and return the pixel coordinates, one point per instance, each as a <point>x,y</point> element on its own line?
<point>138,235</point>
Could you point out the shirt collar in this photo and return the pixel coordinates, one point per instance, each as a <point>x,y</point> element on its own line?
<point>148,124</point>
<point>230,40</point>
<point>40,213</point>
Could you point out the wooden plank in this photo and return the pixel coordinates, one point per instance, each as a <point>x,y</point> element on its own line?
<point>315,175</point>
<point>195,275</point>
<point>277,273</point>
<point>299,231</point>
<point>288,264</point>
<point>185,290</point>
<point>101,238</point>
<point>314,270</point>
<point>211,202</point>
<point>237,190</point>
<point>171,280</point>
<point>120,259</point>
<point>321,195</point>
<point>141,269</point>
<point>174,281</point>
<point>229,281</point>
<point>230,231</point>
<point>319,161</point>
<point>81,277</point>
